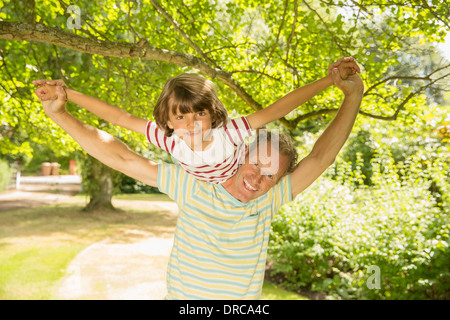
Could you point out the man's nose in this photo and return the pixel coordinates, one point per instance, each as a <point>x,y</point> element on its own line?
<point>258,177</point>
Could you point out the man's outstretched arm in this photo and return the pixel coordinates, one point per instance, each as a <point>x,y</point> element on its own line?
<point>100,144</point>
<point>333,138</point>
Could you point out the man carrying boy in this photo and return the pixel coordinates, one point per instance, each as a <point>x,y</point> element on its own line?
<point>221,238</point>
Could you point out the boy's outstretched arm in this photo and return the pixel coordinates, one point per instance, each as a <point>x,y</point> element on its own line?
<point>100,144</point>
<point>98,107</point>
<point>292,100</point>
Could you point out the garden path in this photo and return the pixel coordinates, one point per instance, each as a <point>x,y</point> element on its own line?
<point>129,267</point>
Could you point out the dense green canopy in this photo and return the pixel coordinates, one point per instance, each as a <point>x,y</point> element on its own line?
<point>124,51</point>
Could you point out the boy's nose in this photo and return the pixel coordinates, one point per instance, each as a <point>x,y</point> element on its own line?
<point>190,122</point>
<point>196,124</point>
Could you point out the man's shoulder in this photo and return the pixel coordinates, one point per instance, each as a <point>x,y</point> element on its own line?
<point>173,180</point>
<point>173,173</point>
<point>283,189</point>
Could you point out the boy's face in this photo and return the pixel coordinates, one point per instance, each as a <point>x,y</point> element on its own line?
<point>194,128</point>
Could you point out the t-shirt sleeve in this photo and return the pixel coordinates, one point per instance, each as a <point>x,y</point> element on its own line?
<point>237,130</point>
<point>175,182</point>
<point>157,137</point>
<point>282,193</point>
<point>167,175</point>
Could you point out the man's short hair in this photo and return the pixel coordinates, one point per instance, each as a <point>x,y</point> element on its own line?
<point>285,146</point>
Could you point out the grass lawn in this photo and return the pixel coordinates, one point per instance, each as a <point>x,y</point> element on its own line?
<point>37,244</point>
<point>272,291</point>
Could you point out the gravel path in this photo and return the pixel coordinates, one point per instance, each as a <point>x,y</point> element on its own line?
<point>111,271</point>
<point>132,267</point>
<point>123,268</point>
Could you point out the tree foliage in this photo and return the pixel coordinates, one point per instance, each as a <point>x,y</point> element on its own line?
<point>124,51</point>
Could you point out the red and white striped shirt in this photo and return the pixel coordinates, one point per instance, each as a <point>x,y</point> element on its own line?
<point>218,162</point>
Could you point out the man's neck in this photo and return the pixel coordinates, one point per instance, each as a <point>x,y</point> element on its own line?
<point>229,186</point>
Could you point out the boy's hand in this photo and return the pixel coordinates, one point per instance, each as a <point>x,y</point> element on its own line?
<point>50,85</point>
<point>347,66</point>
<point>57,103</point>
<point>46,92</point>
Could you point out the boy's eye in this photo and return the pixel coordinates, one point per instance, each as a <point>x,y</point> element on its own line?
<point>179,117</point>
<point>202,113</point>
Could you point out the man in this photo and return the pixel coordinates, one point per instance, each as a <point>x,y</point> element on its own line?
<point>220,242</point>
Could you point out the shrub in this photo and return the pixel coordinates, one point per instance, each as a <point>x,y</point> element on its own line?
<point>337,230</point>
<point>130,185</point>
<point>5,174</point>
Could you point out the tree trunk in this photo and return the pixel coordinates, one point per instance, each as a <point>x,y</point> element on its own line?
<point>99,185</point>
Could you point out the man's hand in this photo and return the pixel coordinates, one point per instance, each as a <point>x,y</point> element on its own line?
<point>344,74</point>
<point>347,66</point>
<point>53,99</point>
<point>352,85</point>
<point>50,88</point>
<point>42,82</point>
<point>46,92</point>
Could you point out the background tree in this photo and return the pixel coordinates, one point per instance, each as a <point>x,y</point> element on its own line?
<point>124,51</point>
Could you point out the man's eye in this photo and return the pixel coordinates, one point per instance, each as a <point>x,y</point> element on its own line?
<point>270,176</point>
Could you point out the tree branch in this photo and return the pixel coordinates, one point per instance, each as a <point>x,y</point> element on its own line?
<point>18,31</point>
<point>426,5</point>
<point>275,44</point>
<point>426,77</point>
<point>288,43</point>
<point>166,15</point>
<point>308,115</point>
<point>405,101</point>
<point>344,51</point>
<point>256,72</point>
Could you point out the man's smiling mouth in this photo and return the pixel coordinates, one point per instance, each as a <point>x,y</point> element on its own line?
<point>248,186</point>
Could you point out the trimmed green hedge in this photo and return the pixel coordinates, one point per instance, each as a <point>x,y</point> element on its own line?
<point>386,241</point>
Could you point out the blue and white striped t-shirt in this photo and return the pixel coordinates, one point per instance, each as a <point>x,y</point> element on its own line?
<point>220,243</point>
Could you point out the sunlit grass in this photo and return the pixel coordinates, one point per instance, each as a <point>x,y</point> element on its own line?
<point>143,196</point>
<point>272,291</point>
<point>30,270</point>
<point>38,244</point>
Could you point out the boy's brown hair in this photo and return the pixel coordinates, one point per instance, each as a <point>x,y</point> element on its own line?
<point>188,92</point>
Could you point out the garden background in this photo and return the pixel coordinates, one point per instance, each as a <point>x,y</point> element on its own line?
<point>374,226</point>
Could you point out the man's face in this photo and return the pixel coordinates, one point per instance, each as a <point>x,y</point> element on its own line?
<point>261,171</point>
